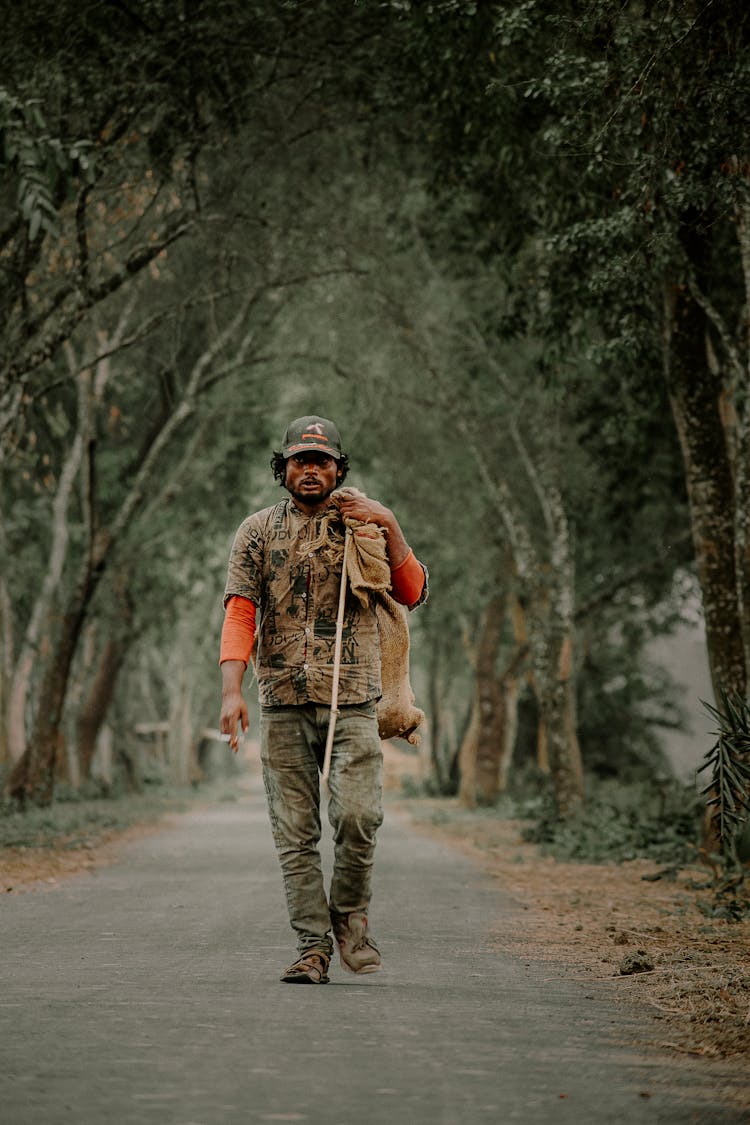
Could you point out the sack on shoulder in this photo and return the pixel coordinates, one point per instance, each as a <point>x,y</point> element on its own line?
<point>369,578</point>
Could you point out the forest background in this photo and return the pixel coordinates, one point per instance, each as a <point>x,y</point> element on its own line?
<point>505,245</point>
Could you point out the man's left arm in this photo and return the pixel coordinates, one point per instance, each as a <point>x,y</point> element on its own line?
<point>408,575</point>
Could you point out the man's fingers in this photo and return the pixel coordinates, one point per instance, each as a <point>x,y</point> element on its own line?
<point>355,512</point>
<point>230,729</point>
<point>234,716</point>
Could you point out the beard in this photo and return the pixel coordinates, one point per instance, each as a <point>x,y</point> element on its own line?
<point>311,497</point>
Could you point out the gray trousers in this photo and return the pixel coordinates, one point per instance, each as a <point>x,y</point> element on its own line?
<point>292,742</point>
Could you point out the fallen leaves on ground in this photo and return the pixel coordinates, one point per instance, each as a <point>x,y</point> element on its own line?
<point>627,924</point>
<point>43,868</point>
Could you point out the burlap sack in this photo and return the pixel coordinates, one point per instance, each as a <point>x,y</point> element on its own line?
<point>369,577</point>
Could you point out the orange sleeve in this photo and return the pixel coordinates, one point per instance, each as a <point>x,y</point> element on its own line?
<point>407,580</point>
<point>238,632</point>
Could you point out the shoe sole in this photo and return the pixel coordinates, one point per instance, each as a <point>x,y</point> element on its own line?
<point>302,980</point>
<point>360,972</point>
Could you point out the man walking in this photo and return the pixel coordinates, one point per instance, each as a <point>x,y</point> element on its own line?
<point>283,587</point>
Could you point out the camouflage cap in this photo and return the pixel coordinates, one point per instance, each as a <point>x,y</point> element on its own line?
<point>310,433</point>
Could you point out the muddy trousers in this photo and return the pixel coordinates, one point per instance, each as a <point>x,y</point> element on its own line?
<point>292,741</point>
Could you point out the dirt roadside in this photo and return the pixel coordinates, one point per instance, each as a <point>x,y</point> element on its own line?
<point>626,924</point>
<point>28,869</point>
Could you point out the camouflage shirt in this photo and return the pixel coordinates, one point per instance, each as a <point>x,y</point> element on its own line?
<point>295,585</point>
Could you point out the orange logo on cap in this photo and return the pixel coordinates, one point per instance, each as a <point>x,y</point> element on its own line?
<point>317,436</point>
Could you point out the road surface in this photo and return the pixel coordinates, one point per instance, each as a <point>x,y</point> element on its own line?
<point>148,992</point>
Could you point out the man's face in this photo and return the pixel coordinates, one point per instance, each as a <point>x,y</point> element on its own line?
<point>311,477</point>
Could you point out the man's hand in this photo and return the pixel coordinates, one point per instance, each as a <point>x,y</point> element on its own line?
<point>234,715</point>
<point>355,506</point>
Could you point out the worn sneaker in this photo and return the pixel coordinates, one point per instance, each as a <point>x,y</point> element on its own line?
<point>311,967</point>
<point>358,951</point>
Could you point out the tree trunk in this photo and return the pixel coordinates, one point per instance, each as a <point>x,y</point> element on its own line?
<point>511,696</point>
<point>551,633</point>
<point>6,667</point>
<point>94,711</point>
<point>491,704</point>
<point>557,711</point>
<point>484,740</point>
<point>711,415</point>
<point>20,684</point>
<point>542,752</point>
<point>694,393</point>
<point>180,734</point>
<point>32,779</point>
<point>436,720</point>
<point>741,455</point>
<point>467,757</point>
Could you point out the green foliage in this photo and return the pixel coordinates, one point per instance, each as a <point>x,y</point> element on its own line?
<point>73,823</point>
<point>726,903</point>
<point>528,232</point>
<point>80,820</point>
<point>592,139</point>
<point>728,792</point>
<point>621,704</point>
<point>43,164</point>
<point>649,820</point>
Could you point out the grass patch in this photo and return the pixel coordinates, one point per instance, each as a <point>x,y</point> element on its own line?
<point>76,820</point>
<point>649,820</point>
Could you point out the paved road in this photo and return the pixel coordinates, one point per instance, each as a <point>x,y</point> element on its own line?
<point>148,992</point>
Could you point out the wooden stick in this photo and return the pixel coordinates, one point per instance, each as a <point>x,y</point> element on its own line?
<point>336,662</point>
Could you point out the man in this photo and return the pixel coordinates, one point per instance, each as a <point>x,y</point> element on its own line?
<point>283,582</point>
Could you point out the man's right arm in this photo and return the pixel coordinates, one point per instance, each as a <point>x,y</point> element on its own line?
<point>237,638</point>
<point>233,707</point>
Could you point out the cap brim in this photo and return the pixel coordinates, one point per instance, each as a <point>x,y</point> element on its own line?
<point>307,446</point>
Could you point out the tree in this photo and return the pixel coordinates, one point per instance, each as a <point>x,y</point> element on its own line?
<point>109,179</point>
<point>105,114</point>
<point>176,248</point>
<point>604,146</point>
<point>487,745</point>
<point>442,380</point>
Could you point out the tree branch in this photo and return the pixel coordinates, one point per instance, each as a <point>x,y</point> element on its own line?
<point>82,235</point>
<point>87,299</point>
<point>715,317</point>
<point>629,578</point>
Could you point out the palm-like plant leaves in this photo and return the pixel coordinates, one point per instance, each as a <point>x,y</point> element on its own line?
<point>729,761</point>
